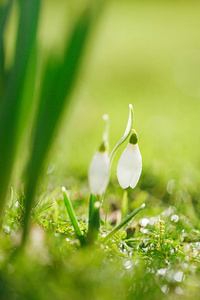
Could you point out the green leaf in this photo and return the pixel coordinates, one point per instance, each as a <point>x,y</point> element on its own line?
<point>11,101</point>
<point>4,12</point>
<point>57,85</point>
<point>29,97</point>
<point>71,213</point>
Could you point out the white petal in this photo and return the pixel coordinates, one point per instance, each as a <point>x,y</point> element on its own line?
<point>99,173</point>
<point>129,166</point>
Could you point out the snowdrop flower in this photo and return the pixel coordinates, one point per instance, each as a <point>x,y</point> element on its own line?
<point>99,171</point>
<point>130,164</point>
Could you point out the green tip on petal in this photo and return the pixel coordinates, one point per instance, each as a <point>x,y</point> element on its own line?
<point>102,147</point>
<point>134,138</point>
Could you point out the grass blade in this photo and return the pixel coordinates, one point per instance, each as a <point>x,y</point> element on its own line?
<point>124,222</point>
<point>71,213</point>
<point>4,16</point>
<point>11,100</point>
<point>57,85</point>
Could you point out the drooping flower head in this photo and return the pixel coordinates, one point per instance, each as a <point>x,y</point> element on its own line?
<point>99,172</point>
<point>99,169</point>
<point>130,164</point>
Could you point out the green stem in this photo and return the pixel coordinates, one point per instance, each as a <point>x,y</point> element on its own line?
<point>127,132</point>
<point>94,219</point>
<point>93,199</point>
<point>123,222</point>
<point>71,213</point>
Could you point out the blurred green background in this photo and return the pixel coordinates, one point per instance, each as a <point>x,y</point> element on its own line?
<point>142,52</point>
<point>146,53</point>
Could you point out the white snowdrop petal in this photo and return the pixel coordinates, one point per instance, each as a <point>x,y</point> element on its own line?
<point>136,177</point>
<point>124,173</point>
<point>99,173</point>
<point>124,176</point>
<point>129,166</point>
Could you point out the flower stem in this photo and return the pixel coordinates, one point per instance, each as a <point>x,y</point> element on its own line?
<point>94,219</point>
<point>91,209</point>
<point>127,132</point>
<point>71,213</point>
<point>123,222</point>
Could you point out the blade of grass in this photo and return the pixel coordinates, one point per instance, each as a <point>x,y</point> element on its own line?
<point>123,222</point>
<point>9,109</point>
<point>71,213</point>
<point>4,16</point>
<point>57,85</point>
<point>29,98</point>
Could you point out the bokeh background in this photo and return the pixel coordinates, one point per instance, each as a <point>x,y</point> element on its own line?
<point>146,53</point>
<point>143,53</point>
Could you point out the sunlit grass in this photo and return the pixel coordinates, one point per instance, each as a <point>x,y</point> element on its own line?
<point>136,55</point>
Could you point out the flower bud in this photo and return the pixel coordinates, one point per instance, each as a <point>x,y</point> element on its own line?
<point>99,172</point>
<point>130,164</point>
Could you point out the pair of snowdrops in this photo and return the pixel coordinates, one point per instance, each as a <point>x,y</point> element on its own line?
<point>128,169</point>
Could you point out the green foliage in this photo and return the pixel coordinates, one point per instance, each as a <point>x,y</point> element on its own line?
<point>57,85</point>
<point>71,213</point>
<point>156,257</point>
<point>18,98</point>
<point>139,55</point>
<point>12,91</point>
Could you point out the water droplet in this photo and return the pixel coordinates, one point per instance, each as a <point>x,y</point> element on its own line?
<point>174,218</point>
<point>127,264</point>
<point>165,289</point>
<point>178,276</point>
<point>178,290</point>
<point>171,186</point>
<point>161,271</point>
<point>144,222</point>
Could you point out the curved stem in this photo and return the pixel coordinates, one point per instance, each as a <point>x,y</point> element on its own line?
<point>127,132</point>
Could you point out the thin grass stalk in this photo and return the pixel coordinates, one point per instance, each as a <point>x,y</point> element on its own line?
<point>71,213</point>
<point>3,16</point>
<point>123,222</point>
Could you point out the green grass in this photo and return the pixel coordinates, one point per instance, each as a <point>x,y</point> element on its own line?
<point>147,54</point>
<point>160,259</point>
